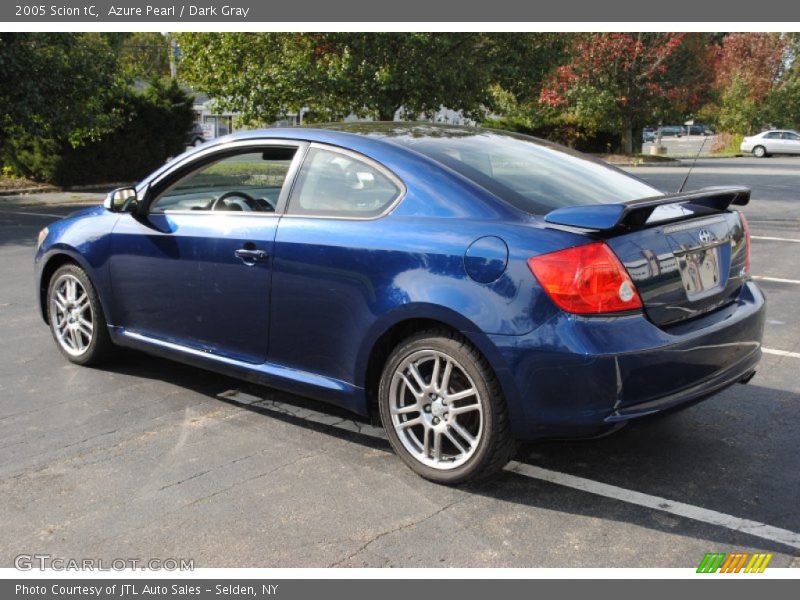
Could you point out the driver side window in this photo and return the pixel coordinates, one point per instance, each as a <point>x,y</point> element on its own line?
<point>245,182</point>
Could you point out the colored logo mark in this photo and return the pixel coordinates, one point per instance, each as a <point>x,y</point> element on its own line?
<point>719,562</point>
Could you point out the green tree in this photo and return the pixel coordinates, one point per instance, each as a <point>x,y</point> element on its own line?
<point>738,111</point>
<point>377,74</point>
<point>152,126</point>
<point>784,100</point>
<point>266,75</point>
<point>518,63</point>
<point>793,47</point>
<point>260,75</point>
<point>67,114</point>
<point>144,55</point>
<point>56,85</point>
<point>783,104</point>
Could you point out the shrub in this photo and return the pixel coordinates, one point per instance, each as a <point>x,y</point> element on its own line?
<point>563,132</point>
<point>727,143</point>
<point>153,128</point>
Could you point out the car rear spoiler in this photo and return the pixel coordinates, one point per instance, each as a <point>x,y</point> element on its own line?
<point>635,214</point>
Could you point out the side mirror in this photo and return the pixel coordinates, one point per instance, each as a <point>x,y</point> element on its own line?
<point>121,200</point>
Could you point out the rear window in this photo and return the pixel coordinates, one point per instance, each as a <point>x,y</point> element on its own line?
<point>531,174</point>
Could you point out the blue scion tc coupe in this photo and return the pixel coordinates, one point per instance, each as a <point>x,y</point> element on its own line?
<point>468,287</point>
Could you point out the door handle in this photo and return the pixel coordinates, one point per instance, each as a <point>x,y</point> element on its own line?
<point>249,255</point>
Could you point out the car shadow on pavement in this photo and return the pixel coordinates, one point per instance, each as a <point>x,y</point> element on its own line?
<point>722,455</point>
<point>639,459</point>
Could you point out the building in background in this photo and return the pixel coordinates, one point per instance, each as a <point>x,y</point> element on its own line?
<point>215,122</point>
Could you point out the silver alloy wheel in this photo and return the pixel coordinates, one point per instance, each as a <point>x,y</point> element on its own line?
<point>71,315</point>
<point>436,409</point>
<point>760,152</point>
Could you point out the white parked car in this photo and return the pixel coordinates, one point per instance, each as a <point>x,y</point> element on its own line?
<point>776,141</point>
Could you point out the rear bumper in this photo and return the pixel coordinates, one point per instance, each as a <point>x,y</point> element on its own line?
<point>578,376</point>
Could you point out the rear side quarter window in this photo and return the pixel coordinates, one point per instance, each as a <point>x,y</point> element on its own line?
<point>336,184</point>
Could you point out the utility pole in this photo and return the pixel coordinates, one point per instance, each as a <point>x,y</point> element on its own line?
<point>173,52</point>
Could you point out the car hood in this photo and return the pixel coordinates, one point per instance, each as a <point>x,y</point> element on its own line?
<point>84,212</point>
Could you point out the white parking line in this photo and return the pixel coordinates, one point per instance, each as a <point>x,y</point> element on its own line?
<point>780,352</point>
<point>774,239</point>
<point>688,511</point>
<point>775,279</point>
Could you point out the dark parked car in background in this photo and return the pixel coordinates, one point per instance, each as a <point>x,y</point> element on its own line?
<point>467,287</point>
<point>670,131</point>
<point>194,137</point>
<point>698,129</point>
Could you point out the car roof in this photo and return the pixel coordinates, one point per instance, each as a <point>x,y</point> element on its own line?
<point>358,129</point>
<point>354,133</point>
<point>371,147</point>
<point>387,143</point>
<point>371,138</point>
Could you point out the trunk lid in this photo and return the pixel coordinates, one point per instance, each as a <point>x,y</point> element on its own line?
<point>686,253</point>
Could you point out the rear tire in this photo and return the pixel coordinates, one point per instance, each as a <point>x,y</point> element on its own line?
<point>443,409</point>
<point>76,317</point>
<point>759,152</point>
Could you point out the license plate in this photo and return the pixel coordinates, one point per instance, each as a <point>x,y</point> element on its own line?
<point>700,272</point>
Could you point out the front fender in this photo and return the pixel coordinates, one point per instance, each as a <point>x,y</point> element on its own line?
<point>83,239</point>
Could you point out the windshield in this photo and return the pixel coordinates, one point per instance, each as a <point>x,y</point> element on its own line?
<point>531,174</point>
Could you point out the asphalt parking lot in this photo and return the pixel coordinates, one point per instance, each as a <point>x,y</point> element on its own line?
<point>146,458</point>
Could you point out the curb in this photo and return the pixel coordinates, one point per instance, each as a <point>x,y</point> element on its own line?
<point>23,191</point>
<point>45,189</point>
<point>673,164</point>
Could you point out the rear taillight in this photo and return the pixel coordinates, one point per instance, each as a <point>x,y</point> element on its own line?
<point>586,279</point>
<point>746,230</point>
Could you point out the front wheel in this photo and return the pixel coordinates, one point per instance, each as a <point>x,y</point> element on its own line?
<point>76,317</point>
<point>443,410</point>
<point>759,152</point>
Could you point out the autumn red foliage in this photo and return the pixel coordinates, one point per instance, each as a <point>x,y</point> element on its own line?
<point>756,59</point>
<point>625,58</point>
<point>624,77</point>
